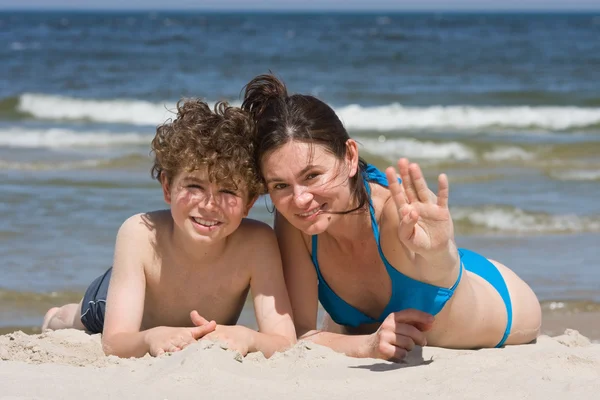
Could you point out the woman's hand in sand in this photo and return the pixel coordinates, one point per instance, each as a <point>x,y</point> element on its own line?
<point>164,339</point>
<point>399,333</point>
<point>425,226</point>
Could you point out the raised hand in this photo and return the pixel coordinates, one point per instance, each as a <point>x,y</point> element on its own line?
<point>164,339</point>
<point>425,226</point>
<point>399,333</point>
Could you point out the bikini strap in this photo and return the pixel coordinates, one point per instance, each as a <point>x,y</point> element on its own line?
<point>372,174</point>
<point>314,239</point>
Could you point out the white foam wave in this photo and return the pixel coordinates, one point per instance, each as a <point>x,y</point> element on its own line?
<point>398,117</point>
<point>394,148</point>
<point>44,166</point>
<point>517,220</point>
<point>576,175</point>
<point>355,117</point>
<point>508,153</point>
<point>59,138</point>
<point>135,112</point>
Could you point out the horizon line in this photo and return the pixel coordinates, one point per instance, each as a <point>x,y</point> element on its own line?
<point>312,10</point>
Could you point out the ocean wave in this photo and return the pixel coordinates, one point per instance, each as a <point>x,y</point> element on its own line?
<point>58,138</point>
<point>398,117</point>
<point>393,148</point>
<point>570,306</point>
<point>122,161</point>
<point>15,298</point>
<point>515,220</point>
<point>436,151</point>
<point>134,112</point>
<point>391,117</point>
<point>576,175</point>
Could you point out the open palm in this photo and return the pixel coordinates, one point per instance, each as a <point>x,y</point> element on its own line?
<point>425,226</point>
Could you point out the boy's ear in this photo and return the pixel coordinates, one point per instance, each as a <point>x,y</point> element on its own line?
<point>351,157</point>
<point>249,205</point>
<point>166,187</point>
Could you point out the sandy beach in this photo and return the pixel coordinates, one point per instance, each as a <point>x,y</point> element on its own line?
<point>69,364</point>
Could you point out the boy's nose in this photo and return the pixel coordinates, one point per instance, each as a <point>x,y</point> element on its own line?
<point>210,201</point>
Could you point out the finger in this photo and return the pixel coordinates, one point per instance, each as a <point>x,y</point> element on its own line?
<point>443,191</point>
<point>200,331</point>
<point>395,188</point>
<point>173,349</point>
<point>411,336</point>
<point>400,339</point>
<point>409,218</point>
<point>159,352</point>
<point>392,353</point>
<point>407,182</point>
<point>420,184</point>
<point>198,319</point>
<point>411,315</point>
<point>404,342</point>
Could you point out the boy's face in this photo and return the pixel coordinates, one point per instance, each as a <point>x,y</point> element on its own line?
<point>207,211</point>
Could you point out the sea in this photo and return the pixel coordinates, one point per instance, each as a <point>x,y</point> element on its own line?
<point>507,104</point>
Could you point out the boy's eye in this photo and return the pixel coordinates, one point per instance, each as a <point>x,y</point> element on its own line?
<point>195,187</point>
<point>228,191</point>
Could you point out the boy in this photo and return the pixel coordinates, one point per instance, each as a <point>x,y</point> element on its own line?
<point>192,264</point>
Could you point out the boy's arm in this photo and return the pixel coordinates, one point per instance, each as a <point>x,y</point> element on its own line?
<point>125,300</point>
<point>126,292</point>
<point>271,302</point>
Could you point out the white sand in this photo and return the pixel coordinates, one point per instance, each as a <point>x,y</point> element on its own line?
<point>70,364</point>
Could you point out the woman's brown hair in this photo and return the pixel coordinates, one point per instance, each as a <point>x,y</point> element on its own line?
<point>281,118</point>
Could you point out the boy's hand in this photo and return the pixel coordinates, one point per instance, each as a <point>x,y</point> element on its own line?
<point>399,333</point>
<point>167,339</point>
<point>237,337</point>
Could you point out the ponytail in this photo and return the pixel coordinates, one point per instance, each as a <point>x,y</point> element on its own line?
<point>264,93</point>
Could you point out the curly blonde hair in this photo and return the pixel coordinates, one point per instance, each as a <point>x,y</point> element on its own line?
<point>220,140</point>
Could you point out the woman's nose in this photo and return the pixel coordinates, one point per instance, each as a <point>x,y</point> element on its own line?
<point>302,197</point>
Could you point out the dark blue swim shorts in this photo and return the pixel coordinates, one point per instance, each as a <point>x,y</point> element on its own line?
<point>93,305</point>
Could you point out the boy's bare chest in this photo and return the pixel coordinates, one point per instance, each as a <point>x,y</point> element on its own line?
<point>217,293</point>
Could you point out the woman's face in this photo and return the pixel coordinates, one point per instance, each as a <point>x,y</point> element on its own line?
<point>305,181</point>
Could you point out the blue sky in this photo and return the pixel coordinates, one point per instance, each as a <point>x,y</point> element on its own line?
<point>374,5</point>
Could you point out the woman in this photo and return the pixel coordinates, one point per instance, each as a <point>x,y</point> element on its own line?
<point>381,248</point>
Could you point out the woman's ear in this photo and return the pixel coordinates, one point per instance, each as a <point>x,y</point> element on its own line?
<point>166,187</point>
<point>352,157</point>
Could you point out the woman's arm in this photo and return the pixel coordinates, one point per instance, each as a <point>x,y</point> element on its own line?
<point>271,302</point>
<point>397,334</point>
<point>417,232</point>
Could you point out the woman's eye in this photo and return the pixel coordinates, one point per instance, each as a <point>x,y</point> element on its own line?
<point>311,176</point>
<point>279,186</point>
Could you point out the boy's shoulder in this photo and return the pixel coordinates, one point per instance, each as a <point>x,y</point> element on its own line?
<point>148,225</point>
<point>250,226</point>
<point>252,232</point>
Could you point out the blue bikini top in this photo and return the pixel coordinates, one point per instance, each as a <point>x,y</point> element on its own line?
<point>406,292</point>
